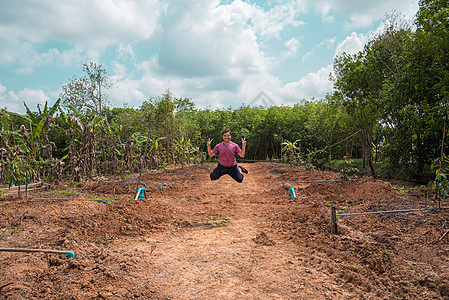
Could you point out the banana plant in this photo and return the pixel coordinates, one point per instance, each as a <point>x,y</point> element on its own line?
<point>291,151</point>
<point>82,154</point>
<point>183,150</point>
<point>38,127</point>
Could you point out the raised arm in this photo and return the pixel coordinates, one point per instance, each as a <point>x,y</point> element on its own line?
<point>209,151</point>
<point>242,154</point>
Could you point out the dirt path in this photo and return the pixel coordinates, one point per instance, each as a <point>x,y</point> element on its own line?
<point>224,247</point>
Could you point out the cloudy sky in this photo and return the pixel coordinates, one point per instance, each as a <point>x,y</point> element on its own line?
<point>217,53</point>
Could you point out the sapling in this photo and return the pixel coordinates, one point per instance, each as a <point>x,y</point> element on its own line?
<point>348,170</point>
<point>440,185</point>
<point>291,151</point>
<point>20,171</point>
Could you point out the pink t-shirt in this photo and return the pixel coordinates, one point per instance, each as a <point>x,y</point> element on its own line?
<point>226,153</point>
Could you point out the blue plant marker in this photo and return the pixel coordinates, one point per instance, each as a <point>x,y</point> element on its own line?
<point>70,253</point>
<point>292,193</point>
<point>140,194</point>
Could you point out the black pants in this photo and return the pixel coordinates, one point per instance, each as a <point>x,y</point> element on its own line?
<point>232,171</point>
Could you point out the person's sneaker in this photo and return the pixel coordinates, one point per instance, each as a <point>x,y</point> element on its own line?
<point>243,170</point>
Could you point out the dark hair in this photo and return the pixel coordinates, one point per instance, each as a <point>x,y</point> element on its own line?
<point>226,130</point>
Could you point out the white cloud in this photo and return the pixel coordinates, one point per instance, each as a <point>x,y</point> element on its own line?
<point>211,53</point>
<point>14,102</point>
<point>309,86</point>
<point>97,23</point>
<point>2,89</point>
<point>272,22</point>
<point>351,44</point>
<point>328,42</point>
<point>126,91</point>
<point>126,52</point>
<point>292,48</point>
<point>307,55</point>
<point>217,54</point>
<point>211,41</point>
<point>364,13</point>
<point>84,27</point>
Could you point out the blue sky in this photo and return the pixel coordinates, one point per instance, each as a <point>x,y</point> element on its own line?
<point>217,53</point>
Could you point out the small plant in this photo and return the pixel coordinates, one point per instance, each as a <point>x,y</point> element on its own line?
<point>225,223</point>
<point>123,173</point>
<point>312,159</point>
<point>216,218</point>
<point>402,190</point>
<point>108,239</point>
<point>17,230</point>
<point>21,171</point>
<point>348,170</point>
<point>309,167</point>
<point>440,185</point>
<point>291,152</point>
<point>59,192</point>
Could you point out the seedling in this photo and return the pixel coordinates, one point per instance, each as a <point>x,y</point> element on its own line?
<point>17,230</point>
<point>291,151</point>
<point>440,185</point>
<point>216,218</point>
<point>348,170</point>
<point>225,223</point>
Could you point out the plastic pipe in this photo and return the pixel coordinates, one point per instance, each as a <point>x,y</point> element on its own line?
<point>425,201</point>
<point>179,174</point>
<point>311,181</point>
<point>389,211</point>
<point>69,253</point>
<point>161,184</point>
<point>299,173</point>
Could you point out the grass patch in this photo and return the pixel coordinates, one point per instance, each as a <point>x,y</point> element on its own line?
<point>59,192</point>
<point>217,221</point>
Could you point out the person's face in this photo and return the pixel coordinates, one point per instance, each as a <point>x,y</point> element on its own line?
<point>226,137</point>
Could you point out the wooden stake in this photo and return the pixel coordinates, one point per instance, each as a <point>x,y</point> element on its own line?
<point>333,220</point>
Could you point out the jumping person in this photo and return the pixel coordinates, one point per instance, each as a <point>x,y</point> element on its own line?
<point>226,150</point>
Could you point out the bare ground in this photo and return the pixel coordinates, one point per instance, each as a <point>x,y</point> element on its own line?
<point>192,238</point>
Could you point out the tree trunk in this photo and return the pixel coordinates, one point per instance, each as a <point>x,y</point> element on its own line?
<point>366,153</point>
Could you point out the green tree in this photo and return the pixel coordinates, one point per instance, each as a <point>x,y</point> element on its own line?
<point>87,92</point>
<point>416,105</point>
<point>358,85</point>
<point>329,124</point>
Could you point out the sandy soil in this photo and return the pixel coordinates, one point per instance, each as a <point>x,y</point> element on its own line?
<point>191,238</point>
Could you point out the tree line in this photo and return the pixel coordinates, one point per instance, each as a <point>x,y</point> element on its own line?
<point>389,108</point>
